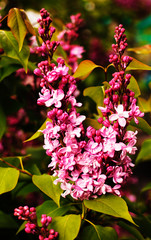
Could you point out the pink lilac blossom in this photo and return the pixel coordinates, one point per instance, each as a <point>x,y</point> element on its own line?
<point>67,36</point>
<point>89,162</point>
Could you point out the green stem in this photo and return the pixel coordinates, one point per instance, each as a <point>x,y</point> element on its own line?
<point>21,170</point>
<point>84,210</point>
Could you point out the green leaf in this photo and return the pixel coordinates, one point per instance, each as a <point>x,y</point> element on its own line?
<point>22,227</point>
<point>131,230</point>
<point>51,209</point>
<point>111,205</point>
<point>38,133</point>
<point>137,65</point>
<point>144,105</point>
<point>146,49</point>
<point>144,224</point>
<point>24,189</point>
<point>92,122</point>
<point>97,95</point>
<point>84,69</point>
<point>33,169</point>
<point>8,66</point>
<point>45,184</point>
<point>143,125</point>
<point>17,26</point>
<point>12,160</point>
<point>27,22</point>
<point>6,221</point>
<point>2,122</point>
<point>145,152</point>
<point>67,226</point>
<point>97,232</point>
<point>147,187</point>
<point>133,86</point>
<point>6,71</point>
<point>8,179</point>
<point>10,46</point>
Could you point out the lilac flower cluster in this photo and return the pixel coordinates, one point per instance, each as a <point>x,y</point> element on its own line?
<point>89,163</point>
<point>29,214</point>
<point>46,31</point>
<point>67,36</point>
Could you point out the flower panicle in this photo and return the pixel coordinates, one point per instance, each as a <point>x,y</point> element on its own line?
<point>89,162</point>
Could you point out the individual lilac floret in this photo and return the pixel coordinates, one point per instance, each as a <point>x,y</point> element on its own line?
<point>120,115</point>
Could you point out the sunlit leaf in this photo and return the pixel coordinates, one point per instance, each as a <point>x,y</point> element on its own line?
<point>137,65</point>
<point>111,205</point>
<point>27,22</point>
<point>45,184</point>
<point>145,152</point>
<point>84,69</point>
<point>133,86</point>
<point>17,26</point>
<point>67,226</point>
<point>146,49</point>
<point>8,179</point>
<point>143,125</point>
<point>10,46</point>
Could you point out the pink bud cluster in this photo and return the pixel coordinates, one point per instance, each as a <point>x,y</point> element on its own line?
<point>120,62</point>
<point>67,36</point>
<point>46,32</point>
<point>29,214</point>
<point>88,163</point>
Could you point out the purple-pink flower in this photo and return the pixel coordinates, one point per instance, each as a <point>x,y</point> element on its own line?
<point>120,115</point>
